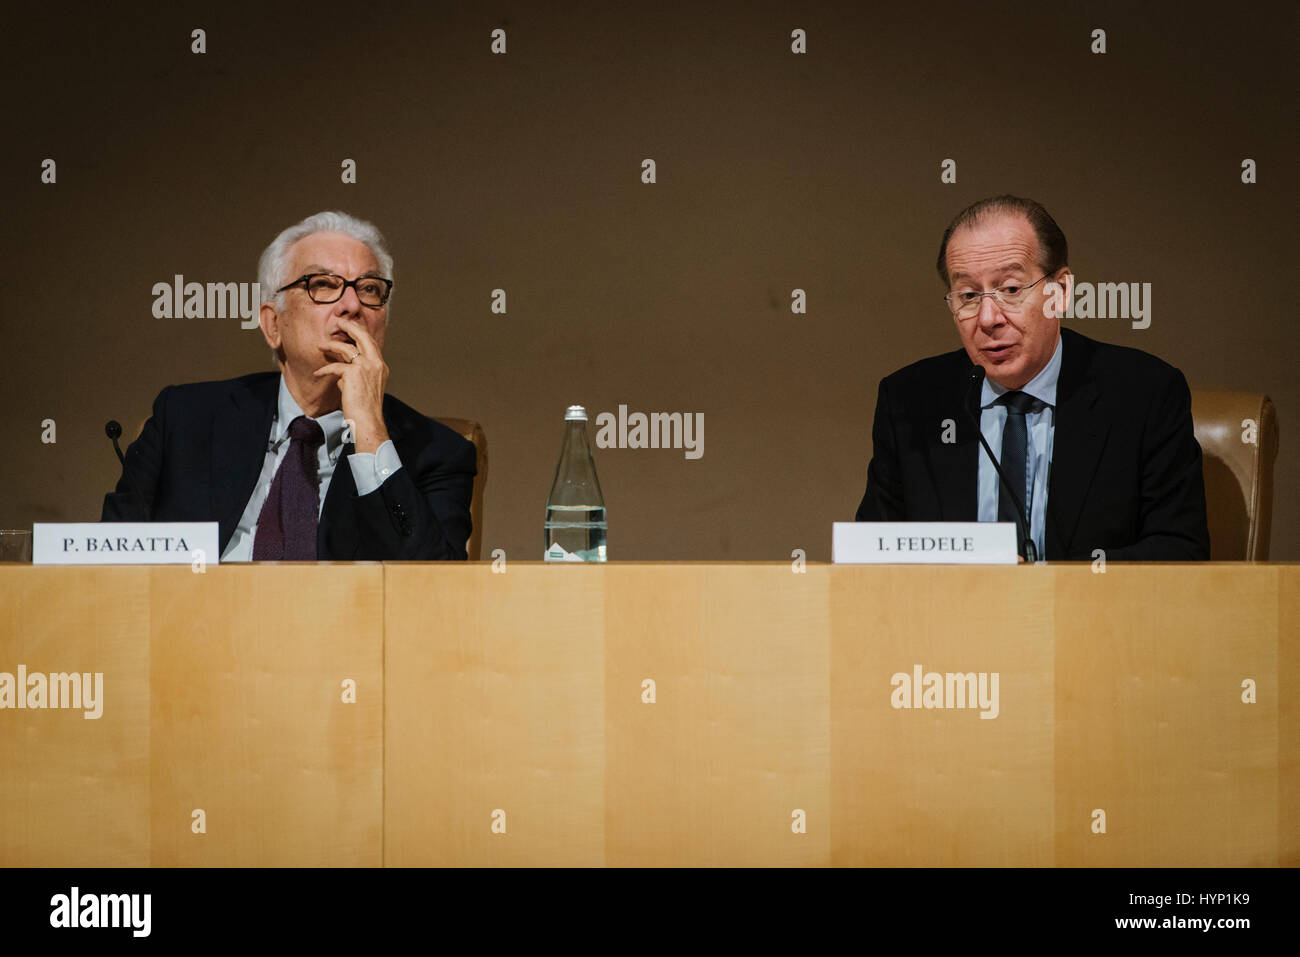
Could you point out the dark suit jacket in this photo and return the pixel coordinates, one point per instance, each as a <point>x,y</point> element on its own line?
<point>200,455</point>
<point>1126,468</point>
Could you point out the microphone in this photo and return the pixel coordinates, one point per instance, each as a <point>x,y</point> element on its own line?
<point>1027,545</point>
<point>113,429</point>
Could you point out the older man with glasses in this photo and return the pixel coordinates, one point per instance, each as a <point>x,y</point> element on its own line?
<point>1095,440</point>
<point>315,460</point>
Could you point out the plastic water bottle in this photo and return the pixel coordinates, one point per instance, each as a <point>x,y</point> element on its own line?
<point>575,509</point>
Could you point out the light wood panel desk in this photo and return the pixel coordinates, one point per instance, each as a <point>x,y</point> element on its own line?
<point>505,718</point>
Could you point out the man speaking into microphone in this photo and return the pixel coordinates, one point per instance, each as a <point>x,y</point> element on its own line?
<point>1095,441</point>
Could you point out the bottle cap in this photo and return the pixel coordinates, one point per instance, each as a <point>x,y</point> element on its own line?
<point>575,413</point>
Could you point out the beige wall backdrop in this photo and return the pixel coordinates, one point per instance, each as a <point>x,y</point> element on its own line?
<point>521,171</point>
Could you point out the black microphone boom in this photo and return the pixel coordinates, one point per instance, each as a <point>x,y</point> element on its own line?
<point>113,429</point>
<point>1027,546</point>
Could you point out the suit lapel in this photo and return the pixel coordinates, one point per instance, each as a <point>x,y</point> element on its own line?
<point>338,537</point>
<point>239,439</point>
<point>1079,436</point>
<point>954,465</point>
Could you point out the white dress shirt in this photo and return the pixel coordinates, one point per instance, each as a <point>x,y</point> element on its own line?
<point>369,470</point>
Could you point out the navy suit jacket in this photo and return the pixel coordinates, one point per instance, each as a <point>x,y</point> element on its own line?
<point>200,455</point>
<point>1126,468</point>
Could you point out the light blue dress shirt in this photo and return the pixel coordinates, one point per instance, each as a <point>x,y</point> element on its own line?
<point>1040,424</point>
<point>369,469</point>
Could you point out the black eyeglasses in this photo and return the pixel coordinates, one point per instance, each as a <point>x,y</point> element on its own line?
<point>325,287</point>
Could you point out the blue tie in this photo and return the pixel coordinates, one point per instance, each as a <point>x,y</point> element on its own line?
<point>1015,457</point>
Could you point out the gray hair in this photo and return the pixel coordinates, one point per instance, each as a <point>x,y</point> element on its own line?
<point>273,266</point>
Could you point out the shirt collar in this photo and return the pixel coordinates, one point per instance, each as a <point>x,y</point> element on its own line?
<point>287,410</point>
<point>1042,386</point>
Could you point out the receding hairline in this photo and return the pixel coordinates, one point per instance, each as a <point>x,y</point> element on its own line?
<point>980,221</point>
<point>1052,247</point>
<point>985,216</point>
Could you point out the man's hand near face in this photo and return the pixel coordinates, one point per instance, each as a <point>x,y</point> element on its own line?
<point>362,377</point>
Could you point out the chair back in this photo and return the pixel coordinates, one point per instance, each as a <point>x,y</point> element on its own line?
<point>1238,435</point>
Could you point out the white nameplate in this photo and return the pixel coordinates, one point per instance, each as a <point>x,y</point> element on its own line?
<point>924,543</point>
<point>125,543</point>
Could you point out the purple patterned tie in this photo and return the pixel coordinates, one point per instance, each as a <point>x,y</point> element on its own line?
<point>286,527</point>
